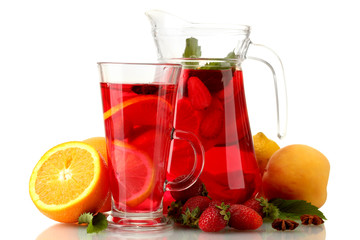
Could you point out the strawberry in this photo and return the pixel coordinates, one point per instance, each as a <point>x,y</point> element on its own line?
<point>255,203</point>
<point>192,210</point>
<point>187,119</point>
<point>213,120</point>
<point>199,95</point>
<point>244,218</point>
<point>263,207</point>
<point>174,211</point>
<point>214,218</point>
<point>215,203</point>
<point>200,202</point>
<point>197,189</point>
<point>213,79</point>
<point>233,88</point>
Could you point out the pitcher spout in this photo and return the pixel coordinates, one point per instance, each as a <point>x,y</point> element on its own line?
<point>162,19</point>
<point>172,35</point>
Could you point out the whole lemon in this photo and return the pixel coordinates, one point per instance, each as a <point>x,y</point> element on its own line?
<point>264,149</point>
<point>297,172</point>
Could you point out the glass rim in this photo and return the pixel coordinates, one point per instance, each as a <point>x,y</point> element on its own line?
<point>141,64</point>
<point>203,28</point>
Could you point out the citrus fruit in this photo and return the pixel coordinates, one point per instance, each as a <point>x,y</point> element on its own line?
<point>264,149</point>
<point>133,173</point>
<point>153,141</point>
<point>141,110</point>
<point>69,179</point>
<point>297,172</point>
<point>99,143</point>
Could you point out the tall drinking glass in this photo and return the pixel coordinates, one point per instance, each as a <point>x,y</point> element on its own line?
<point>138,108</point>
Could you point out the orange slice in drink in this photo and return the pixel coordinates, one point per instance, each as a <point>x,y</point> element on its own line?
<point>134,174</point>
<point>143,110</point>
<point>70,179</point>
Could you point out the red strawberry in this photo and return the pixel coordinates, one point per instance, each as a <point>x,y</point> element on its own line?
<point>187,119</point>
<point>174,211</point>
<point>213,120</point>
<point>214,219</point>
<point>197,189</point>
<point>200,202</point>
<point>244,218</point>
<point>199,95</point>
<point>213,79</point>
<point>192,209</point>
<point>233,88</point>
<point>215,203</point>
<point>255,204</point>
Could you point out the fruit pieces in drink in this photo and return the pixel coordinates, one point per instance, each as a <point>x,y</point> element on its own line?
<point>137,111</point>
<point>199,95</point>
<point>223,128</point>
<point>132,174</point>
<point>138,125</point>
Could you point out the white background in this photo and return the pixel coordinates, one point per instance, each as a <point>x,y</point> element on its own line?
<point>49,90</point>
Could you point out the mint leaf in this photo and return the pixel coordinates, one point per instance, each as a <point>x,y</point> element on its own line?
<point>227,63</point>
<point>96,223</point>
<point>85,218</point>
<point>216,66</point>
<point>293,209</point>
<point>192,49</point>
<point>231,55</point>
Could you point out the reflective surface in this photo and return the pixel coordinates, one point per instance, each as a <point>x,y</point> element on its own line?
<point>70,231</point>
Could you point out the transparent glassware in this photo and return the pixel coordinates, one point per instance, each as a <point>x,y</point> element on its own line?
<point>138,109</point>
<point>212,54</point>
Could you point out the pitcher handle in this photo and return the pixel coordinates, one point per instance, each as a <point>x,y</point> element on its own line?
<point>271,59</point>
<point>199,161</point>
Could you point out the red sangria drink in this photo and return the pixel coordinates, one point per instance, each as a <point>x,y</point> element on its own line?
<point>138,109</point>
<point>138,123</point>
<point>212,105</point>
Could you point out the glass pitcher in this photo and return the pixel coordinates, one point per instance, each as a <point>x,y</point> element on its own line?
<point>211,100</point>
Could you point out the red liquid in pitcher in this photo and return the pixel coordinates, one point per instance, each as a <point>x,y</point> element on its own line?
<point>212,105</point>
<point>138,123</point>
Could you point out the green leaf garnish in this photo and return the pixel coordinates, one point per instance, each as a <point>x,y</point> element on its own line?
<point>85,218</point>
<point>192,49</point>
<point>96,223</point>
<point>293,209</point>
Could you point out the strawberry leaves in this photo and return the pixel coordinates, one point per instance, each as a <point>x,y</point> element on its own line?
<point>224,211</point>
<point>191,218</point>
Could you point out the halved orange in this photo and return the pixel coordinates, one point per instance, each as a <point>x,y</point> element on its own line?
<point>134,174</point>
<point>138,111</point>
<point>70,179</point>
<point>99,143</point>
